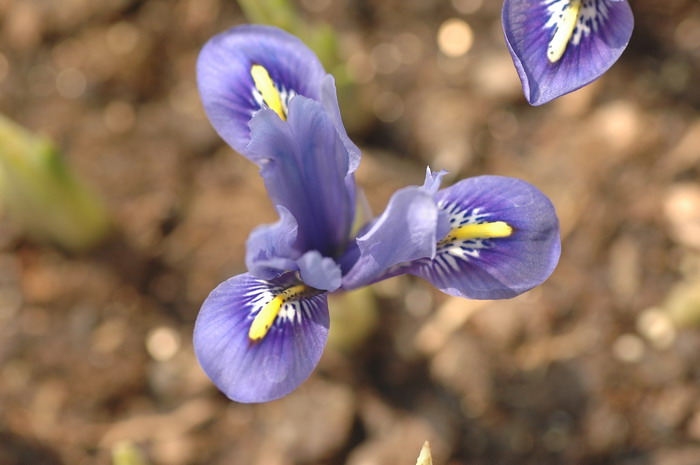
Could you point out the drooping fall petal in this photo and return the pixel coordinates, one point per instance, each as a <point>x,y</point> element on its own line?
<point>559,46</point>
<point>248,367</point>
<point>504,239</point>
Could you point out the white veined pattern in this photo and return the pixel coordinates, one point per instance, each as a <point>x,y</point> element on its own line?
<point>591,16</point>
<point>447,255</point>
<point>293,311</point>
<point>285,97</point>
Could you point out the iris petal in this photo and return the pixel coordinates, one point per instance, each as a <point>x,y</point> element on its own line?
<point>319,272</point>
<point>272,367</point>
<point>588,47</point>
<point>518,250</point>
<point>305,167</point>
<point>329,99</point>
<point>407,230</point>
<point>270,249</point>
<point>226,84</point>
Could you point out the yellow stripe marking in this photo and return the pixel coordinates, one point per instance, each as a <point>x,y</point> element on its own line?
<point>564,31</point>
<point>266,87</point>
<point>266,316</point>
<point>478,231</point>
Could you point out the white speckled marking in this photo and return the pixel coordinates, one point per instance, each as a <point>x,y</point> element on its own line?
<point>448,255</point>
<point>285,97</point>
<point>591,16</point>
<point>291,312</point>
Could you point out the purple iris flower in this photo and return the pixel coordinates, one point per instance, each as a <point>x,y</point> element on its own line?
<point>487,237</point>
<point>559,46</point>
<point>260,334</point>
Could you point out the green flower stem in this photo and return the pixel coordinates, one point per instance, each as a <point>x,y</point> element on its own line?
<point>41,195</point>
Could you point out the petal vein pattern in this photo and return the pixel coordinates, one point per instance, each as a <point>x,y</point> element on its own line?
<point>559,46</point>
<point>227,85</point>
<point>258,362</point>
<point>503,241</point>
<point>250,68</point>
<point>304,165</point>
<point>407,230</point>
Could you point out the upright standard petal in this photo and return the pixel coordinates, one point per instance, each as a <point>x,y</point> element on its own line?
<point>305,167</point>
<point>559,46</point>
<point>329,99</point>
<point>503,241</point>
<point>408,230</point>
<point>251,67</point>
<point>258,340</point>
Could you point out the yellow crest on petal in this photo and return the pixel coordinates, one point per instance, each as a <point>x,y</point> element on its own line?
<point>565,26</point>
<point>266,316</point>
<point>490,230</point>
<point>266,86</point>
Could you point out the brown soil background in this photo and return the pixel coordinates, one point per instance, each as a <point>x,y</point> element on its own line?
<point>599,365</point>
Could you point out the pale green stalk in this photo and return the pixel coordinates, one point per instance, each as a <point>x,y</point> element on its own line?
<point>320,37</point>
<point>40,194</point>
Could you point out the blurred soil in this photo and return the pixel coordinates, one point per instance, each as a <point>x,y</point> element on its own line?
<point>597,366</point>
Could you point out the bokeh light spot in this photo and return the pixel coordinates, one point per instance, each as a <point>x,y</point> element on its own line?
<point>71,83</point>
<point>455,37</point>
<point>122,37</point>
<point>388,107</point>
<point>162,343</point>
<point>628,348</point>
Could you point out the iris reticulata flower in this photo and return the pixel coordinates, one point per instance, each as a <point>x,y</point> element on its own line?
<point>260,334</point>
<point>559,46</point>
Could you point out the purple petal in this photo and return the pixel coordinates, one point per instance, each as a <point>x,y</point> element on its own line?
<point>305,168</point>
<point>277,364</point>
<point>602,31</point>
<point>271,253</point>
<point>501,267</point>
<point>270,249</point>
<point>406,231</point>
<point>319,272</point>
<point>226,85</point>
<point>329,99</point>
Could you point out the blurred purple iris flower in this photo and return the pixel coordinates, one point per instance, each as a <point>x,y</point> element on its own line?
<point>260,334</point>
<point>559,46</point>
